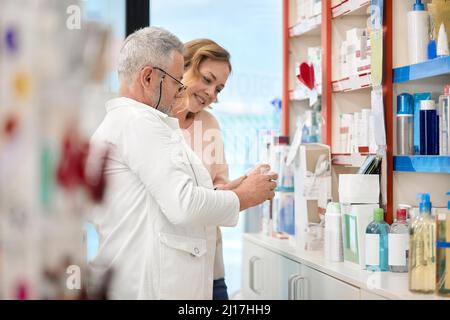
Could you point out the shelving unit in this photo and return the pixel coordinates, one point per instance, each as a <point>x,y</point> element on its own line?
<point>351,94</point>
<point>415,174</point>
<point>298,37</point>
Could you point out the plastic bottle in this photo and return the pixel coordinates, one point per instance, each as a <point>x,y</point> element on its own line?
<point>333,233</point>
<point>377,243</point>
<point>444,122</point>
<point>399,243</point>
<point>422,248</point>
<point>418,97</point>
<point>405,125</point>
<point>418,33</point>
<point>429,128</point>
<point>442,44</point>
<point>443,252</point>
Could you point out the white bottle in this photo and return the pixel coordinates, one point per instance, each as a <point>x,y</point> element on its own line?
<point>442,43</point>
<point>333,233</point>
<point>418,33</point>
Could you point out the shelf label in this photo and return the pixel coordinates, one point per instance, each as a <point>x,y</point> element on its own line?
<point>378,116</point>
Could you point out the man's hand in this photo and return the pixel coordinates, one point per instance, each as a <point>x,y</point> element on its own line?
<point>259,169</point>
<point>256,188</point>
<point>231,185</point>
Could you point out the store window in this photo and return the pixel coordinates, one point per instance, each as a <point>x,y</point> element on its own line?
<point>112,14</point>
<point>251,31</point>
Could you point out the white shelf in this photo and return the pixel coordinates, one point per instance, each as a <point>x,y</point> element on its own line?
<point>299,95</point>
<point>352,83</point>
<point>385,284</point>
<point>354,160</point>
<point>351,8</point>
<point>311,27</point>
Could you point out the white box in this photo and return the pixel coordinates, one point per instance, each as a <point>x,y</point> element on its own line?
<point>355,219</point>
<point>355,34</point>
<point>359,188</point>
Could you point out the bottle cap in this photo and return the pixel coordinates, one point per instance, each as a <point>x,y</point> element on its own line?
<point>334,207</point>
<point>418,6</point>
<point>378,215</point>
<point>448,203</point>
<point>405,104</point>
<point>425,203</point>
<point>447,90</point>
<point>427,105</point>
<point>281,140</point>
<point>401,215</point>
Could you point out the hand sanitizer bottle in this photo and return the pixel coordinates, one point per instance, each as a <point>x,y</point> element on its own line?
<point>377,243</point>
<point>422,246</point>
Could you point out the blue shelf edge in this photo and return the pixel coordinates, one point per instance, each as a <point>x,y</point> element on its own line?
<point>430,164</point>
<point>427,69</point>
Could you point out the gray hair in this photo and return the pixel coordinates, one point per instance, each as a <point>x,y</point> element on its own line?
<point>147,46</point>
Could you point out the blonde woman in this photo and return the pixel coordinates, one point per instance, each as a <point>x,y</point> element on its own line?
<point>207,68</point>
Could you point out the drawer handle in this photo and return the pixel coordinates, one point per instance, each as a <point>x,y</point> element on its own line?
<point>296,282</point>
<point>253,261</point>
<point>291,280</point>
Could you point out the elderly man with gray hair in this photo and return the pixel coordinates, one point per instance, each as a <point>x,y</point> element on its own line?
<point>157,226</point>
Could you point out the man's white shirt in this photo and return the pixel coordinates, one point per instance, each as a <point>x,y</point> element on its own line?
<point>157,226</point>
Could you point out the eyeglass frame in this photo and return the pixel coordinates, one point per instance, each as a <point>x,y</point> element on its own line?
<point>182,86</point>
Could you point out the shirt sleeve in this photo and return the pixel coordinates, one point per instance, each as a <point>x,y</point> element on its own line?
<point>155,153</point>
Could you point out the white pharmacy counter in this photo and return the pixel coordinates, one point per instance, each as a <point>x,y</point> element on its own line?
<point>274,269</point>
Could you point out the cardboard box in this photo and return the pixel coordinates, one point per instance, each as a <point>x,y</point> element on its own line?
<point>311,192</point>
<point>359,195</point>
<point>355,219</point>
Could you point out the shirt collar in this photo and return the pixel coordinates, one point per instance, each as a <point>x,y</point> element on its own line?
<point>128,102</point>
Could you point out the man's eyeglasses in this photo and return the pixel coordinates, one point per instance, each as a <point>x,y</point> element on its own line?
<point>181,86</point>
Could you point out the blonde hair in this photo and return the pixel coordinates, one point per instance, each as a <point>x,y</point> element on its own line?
<point>195,53</point>
<point>199,50</point>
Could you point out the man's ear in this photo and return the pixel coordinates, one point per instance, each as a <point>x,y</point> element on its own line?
<point>146,76</point>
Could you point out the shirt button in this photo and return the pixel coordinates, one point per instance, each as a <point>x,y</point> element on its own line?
<point>196,250</point>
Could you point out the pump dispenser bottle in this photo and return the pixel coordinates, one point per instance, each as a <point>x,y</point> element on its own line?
<point>422,261</point>
<point>443,252</point>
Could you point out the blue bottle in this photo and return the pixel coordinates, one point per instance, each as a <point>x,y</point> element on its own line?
<point>405,125</point>
<point>429,128</point>
<point>418,97</point>
<point>377,235</point>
